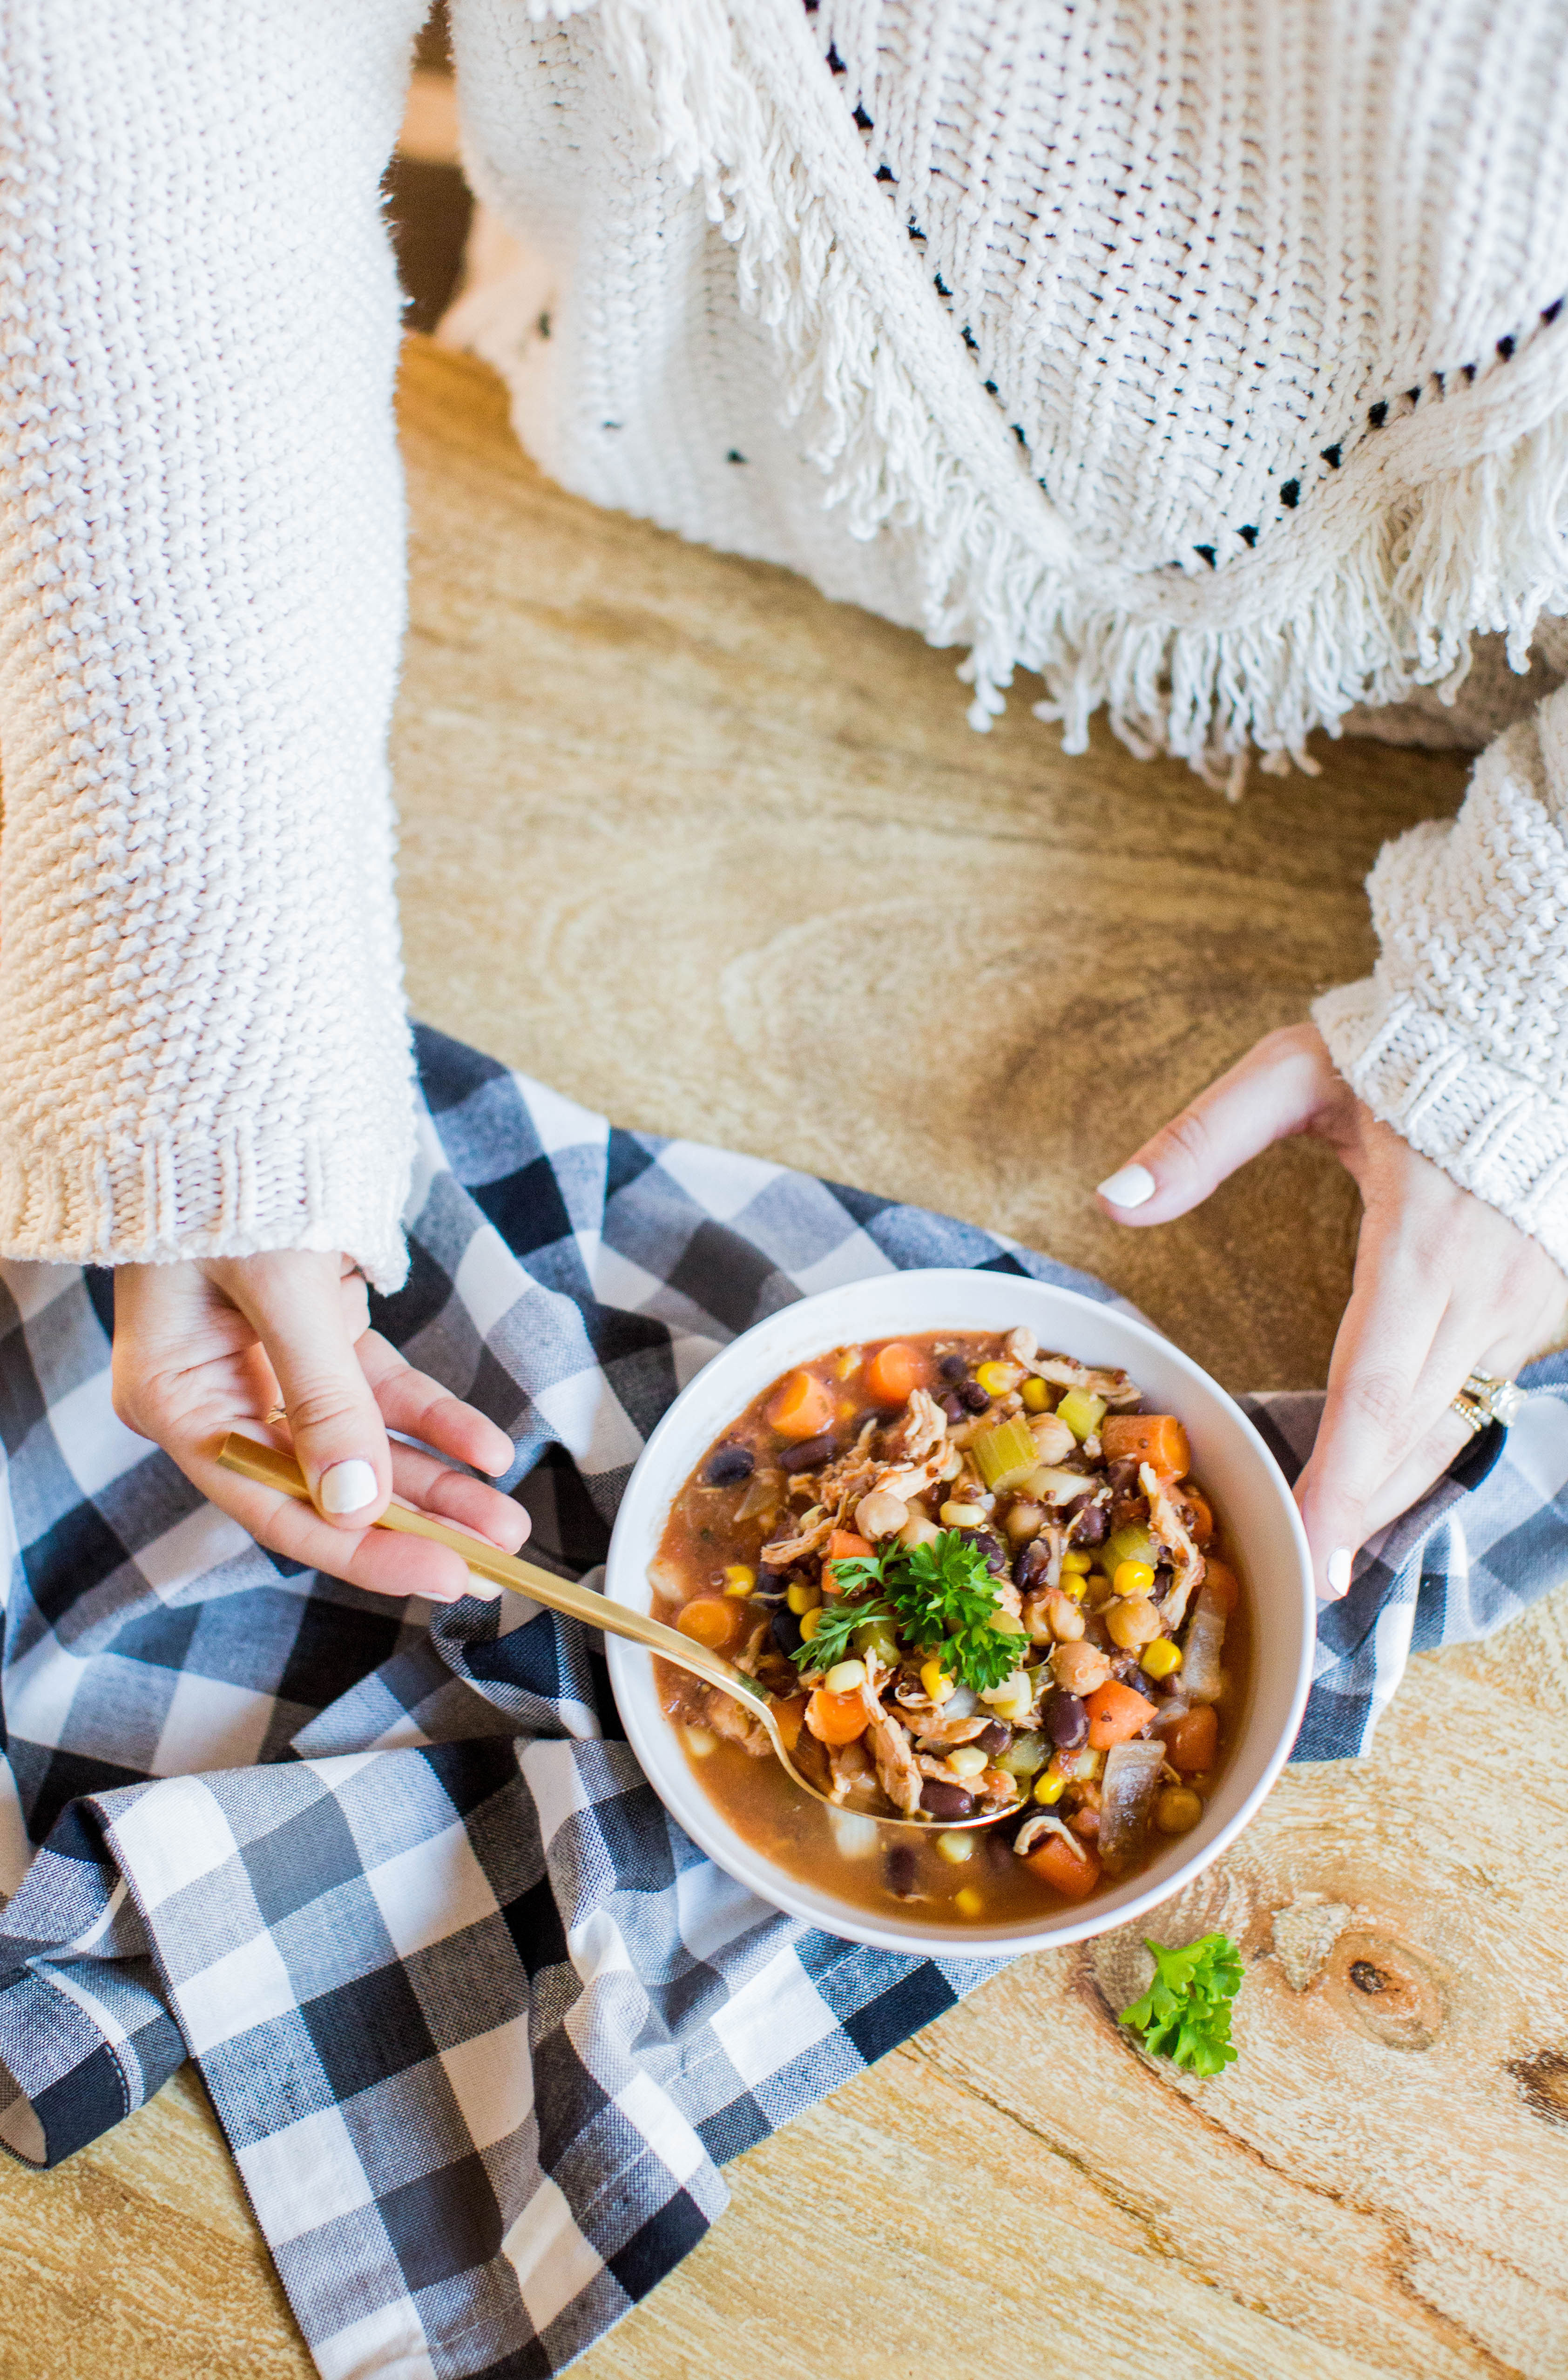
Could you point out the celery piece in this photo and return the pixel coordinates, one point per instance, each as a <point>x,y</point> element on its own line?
<point>1025,1756</point>
<point>1132,1542</point>
<point>1082,1413</point>
<point>1006,1451</point>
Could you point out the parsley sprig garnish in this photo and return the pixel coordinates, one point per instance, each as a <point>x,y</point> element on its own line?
<point>1185,2013</point>
<point>941,1598</point>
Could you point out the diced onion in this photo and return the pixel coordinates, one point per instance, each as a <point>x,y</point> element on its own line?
<point>1201,1673</point>
<point>1126,1798</point>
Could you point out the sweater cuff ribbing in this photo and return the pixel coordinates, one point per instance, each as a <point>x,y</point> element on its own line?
<point>170,1198</point>
<point>1492,1130</point>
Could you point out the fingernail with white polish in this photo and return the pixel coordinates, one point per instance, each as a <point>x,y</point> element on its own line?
<point>1337,1569</point>
<point>348,1486</point>
<point>1130,1188</point>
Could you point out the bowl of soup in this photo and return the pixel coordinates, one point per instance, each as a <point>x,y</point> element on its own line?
<point>1025,1587</point>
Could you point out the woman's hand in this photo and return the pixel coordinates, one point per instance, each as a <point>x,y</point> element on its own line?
<point>1444,1284</point>
<point>201,1349</point>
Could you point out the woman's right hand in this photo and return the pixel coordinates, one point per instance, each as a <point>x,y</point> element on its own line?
<point>204,1348</point>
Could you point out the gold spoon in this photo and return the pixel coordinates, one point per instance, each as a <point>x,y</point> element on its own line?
<point>270,1467</point>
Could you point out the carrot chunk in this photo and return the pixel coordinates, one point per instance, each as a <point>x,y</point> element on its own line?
<point>804,1407</point>
<point>1201,1512</point>
<point>843,1546</point>
<point>791,1716</point>
<point>1158,1440</point>
<point>1115,1712</point>
<point>1192,1742</point>
<point>1225,1581</point>
<point>894,1372</point>
<point>835,1718</point>
<point>715,1620</point>
<point>1073,1871</point>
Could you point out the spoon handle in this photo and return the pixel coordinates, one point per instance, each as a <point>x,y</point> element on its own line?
<point>270,1467</point>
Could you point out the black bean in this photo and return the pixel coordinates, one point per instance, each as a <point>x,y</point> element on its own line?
<point>786,1631</point>
<point>728,1465</point>
<point>975,1397</point>
<point>1091,1527</point>
<point>988,1544</point>
<point>1141,1683</point>
<point>1066,1722</point>
<point>808,1456</point>
<point>1033,1563</point>
<point>946,1801</point>
<point>995,1738</point>
<point>901,1869</point>
<point>952,1367</point>
<point>956,1409</point>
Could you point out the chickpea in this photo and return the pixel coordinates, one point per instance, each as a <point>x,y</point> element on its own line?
<point>1054,1440</point>
<point>881,1515</point>
<point>1132,1622</point>
<point>1066,1621</point>
<point>1080,1668</point>
<point>917,1531</point>
<point>1024,1520</point>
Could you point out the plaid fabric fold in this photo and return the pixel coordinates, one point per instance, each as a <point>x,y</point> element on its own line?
<point>482,2025</point>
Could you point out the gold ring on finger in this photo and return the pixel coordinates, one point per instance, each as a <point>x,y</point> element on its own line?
<point>1487,1397</point>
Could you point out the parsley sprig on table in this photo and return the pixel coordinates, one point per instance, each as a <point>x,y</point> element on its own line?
<point>1185,2013</point>
<point>941,1598</point>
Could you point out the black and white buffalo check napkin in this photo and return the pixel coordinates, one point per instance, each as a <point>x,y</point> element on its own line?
<point>480,2024</point>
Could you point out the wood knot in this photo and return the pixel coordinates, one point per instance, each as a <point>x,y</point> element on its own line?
<point>1389,1991</point>
<point>1543,2082</point>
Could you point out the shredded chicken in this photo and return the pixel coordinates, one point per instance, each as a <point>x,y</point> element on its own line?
<point>896,1772</point>
<point>784,1550</point>
<point>938,1735</point>
<point>1063,1372</point>
<point>726,1717</point>
<point>920,1432</point>
<point>1166,1522</point>
<point>848,1769</point>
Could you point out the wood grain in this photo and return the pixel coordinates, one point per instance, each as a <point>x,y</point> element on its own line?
<point>722,858</point>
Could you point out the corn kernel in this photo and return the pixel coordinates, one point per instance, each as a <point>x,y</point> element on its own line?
<point>1049,1790</point>
<point>740,1579</point>
<point>955,1849</point>
<point>1132,1578</point>
<point>809,1624</point>
<point>936,1681</point>
<point>997,1380</point>
<point>844,1677</point>
<point>800,1598</point>
<point>967,1901</point>
<point>1074,1582</point>
<point>963,1516</point>
<point>1036,1394</point>
<point>966,1760</point>
<point>1160,1660</point>
<point>1077,1560</point>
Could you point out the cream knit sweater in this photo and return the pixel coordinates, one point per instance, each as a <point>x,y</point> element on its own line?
<point>1208,357</point>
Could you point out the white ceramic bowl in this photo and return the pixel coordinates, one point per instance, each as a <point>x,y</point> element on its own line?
<point>1229,1457</point>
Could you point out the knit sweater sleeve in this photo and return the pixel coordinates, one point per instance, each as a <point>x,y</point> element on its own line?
<point>203,1049</point>
<point>1460,1037</point>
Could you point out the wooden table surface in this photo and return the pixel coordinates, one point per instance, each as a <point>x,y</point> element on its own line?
<point>721,859</point>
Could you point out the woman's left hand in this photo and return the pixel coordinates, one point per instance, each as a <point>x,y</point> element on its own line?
<point>1444,1284</point>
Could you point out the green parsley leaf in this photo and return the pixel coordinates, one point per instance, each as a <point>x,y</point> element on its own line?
<point>835,1629</point>
<point>942,1598</point>
<point>1185,2013</point>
